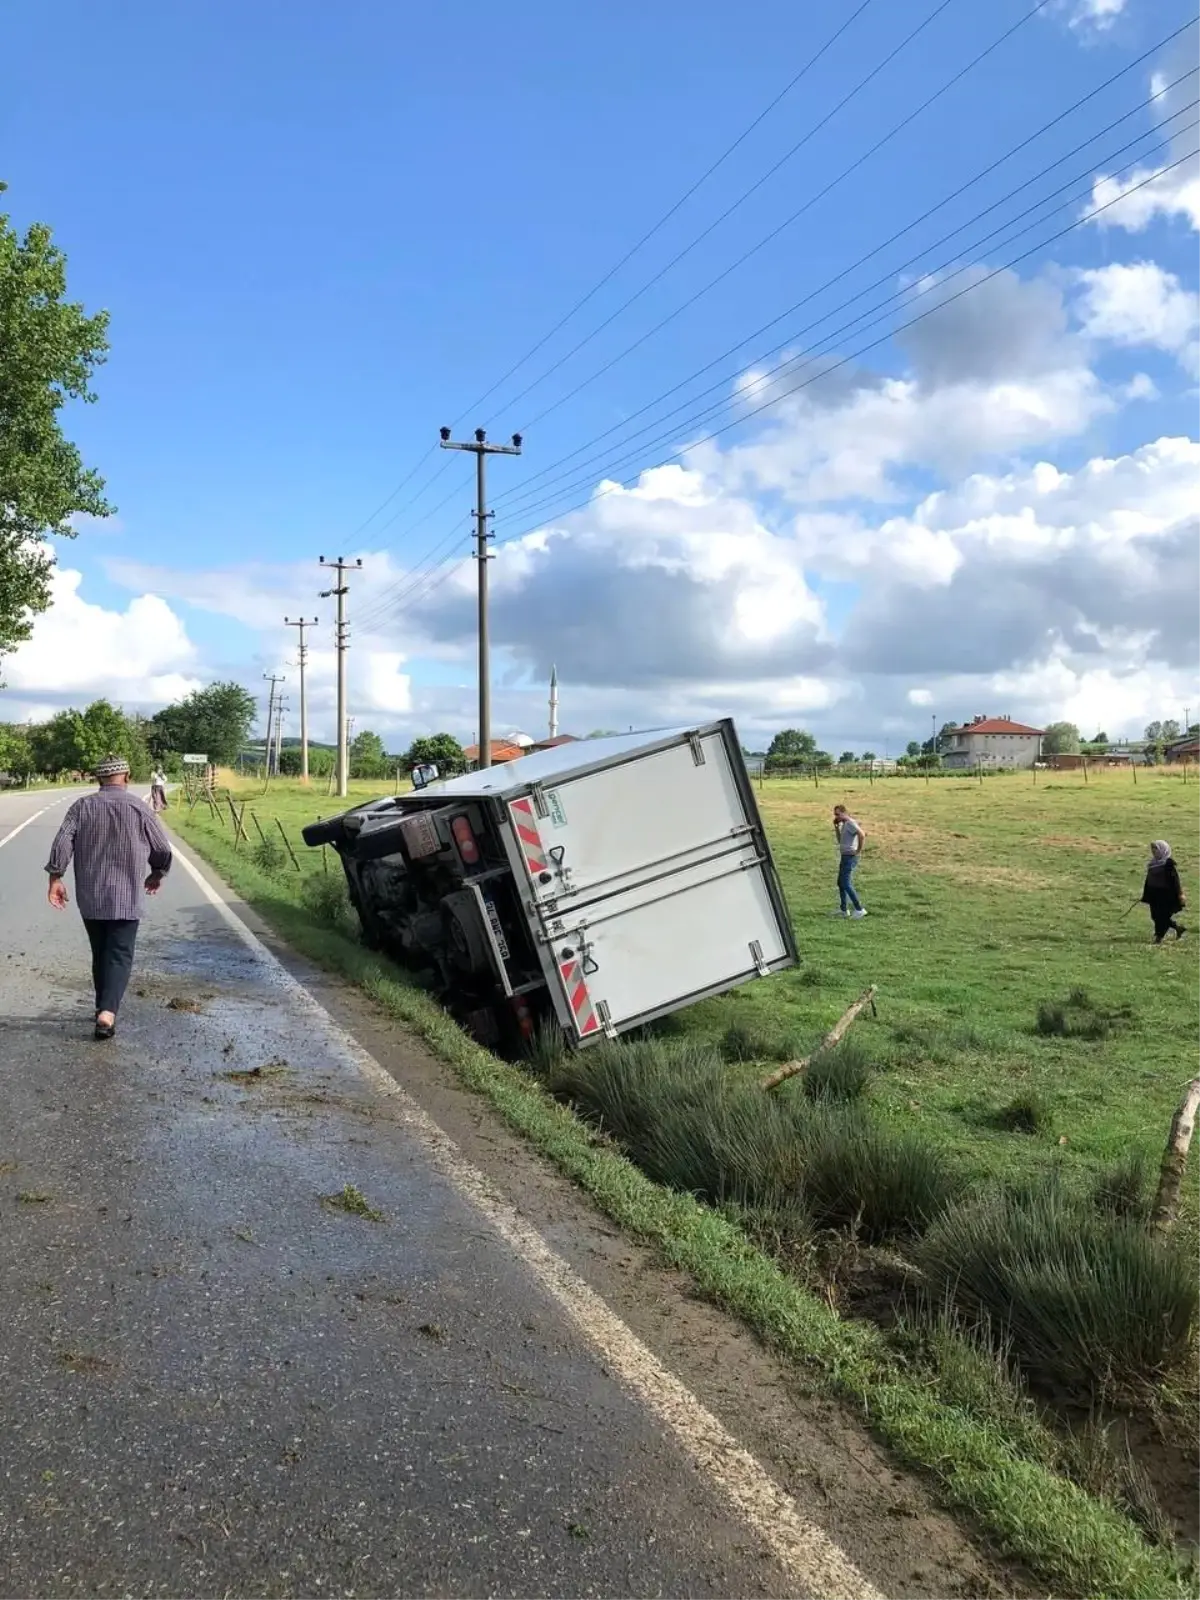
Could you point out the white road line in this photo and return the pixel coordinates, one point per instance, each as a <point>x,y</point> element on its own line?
<point>12,834</point>
<point>812,1561</point>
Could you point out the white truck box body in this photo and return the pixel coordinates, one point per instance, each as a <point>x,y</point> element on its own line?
<point>646,876</point>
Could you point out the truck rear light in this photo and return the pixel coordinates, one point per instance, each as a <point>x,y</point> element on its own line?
<point>465,840</point>
<point>524,1016</point>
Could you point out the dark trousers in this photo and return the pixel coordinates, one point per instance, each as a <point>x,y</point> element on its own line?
<point>112,960</point>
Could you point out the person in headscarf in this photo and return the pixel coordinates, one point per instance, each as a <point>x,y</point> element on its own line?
<point>1163,892</point>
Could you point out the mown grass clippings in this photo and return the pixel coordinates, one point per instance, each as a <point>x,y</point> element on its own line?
<point>1075,1543</point>
<point>352,1201</point>
<point>1089,1302</point>
<point>184,1003</point>
<point>248,1077</point>
<point>33,1197</point>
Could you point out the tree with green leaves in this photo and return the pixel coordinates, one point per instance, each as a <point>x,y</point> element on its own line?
<point>847,758</point>
<point>368,758</point>
<point>869,757</point>
<point>49,349</point>
<point>1060,739</point>
<point>213,722</point>
<point>442,749</point>
<point>912,749</point>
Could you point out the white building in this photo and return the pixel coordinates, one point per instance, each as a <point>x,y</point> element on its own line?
<point>992,742</point>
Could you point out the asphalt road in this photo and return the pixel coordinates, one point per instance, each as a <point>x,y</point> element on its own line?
<point>212,1382</point>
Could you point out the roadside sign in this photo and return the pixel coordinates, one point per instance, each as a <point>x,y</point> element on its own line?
<point>195,761</point>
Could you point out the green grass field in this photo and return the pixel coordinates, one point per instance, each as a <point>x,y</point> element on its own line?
<point>984,901</point>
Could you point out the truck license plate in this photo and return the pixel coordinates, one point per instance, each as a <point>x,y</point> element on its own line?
<point>497,930</point>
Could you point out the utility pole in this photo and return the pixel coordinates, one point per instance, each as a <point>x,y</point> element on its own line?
<point>481,450</point>
<point>302,623</point>
<point>272,678</point>
<point>279,705</point>
<point>341,590</point>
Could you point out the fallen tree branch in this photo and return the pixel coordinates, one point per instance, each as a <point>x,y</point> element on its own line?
<point>1174,1161</point>
<point>790,1068</point>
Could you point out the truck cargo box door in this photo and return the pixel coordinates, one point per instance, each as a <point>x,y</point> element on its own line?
<point>650,885</point>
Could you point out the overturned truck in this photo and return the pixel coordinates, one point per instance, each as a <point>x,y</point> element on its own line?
<point>596,885</point>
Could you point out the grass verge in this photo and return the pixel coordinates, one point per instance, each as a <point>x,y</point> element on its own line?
<point>1076,1543</point>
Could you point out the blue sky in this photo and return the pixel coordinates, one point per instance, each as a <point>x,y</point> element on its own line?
<point>323,231</point>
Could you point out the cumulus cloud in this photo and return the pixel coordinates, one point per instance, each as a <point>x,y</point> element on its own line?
<point>1170,190</point>
<point>79,651</point>
<point>874,549</point>
<point>1140,304</point>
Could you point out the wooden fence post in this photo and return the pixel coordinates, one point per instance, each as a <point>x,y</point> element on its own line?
<point>287,842</point>
<point>1174,1161</point>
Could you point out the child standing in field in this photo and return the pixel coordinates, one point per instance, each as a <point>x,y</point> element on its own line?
<point>851,838</point>
<point>1163,892</point>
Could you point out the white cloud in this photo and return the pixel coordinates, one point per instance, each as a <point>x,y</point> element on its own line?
<point>1170,189</point>
<point>920,697</point>
<point>1098,15</point>
<point>1140,304</point>
<point>138,657</point>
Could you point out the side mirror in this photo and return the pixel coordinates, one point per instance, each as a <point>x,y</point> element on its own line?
<point>423,775</point>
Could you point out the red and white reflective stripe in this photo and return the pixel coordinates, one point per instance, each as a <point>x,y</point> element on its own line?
<point>578,997</point>
<point>525,822</point>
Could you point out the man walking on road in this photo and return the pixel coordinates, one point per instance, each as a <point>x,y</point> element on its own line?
<point>850,838</point>
<point>114,838</point>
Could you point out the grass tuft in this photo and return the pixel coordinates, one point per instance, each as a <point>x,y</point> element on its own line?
<point>1026,1112</point>
<point>352,1200</point>
<point>1090,1303</point>
<point>268,856</point>
<point>1080,1017</point>
<point>841,1074</point>
<point>325,897</point>
<point>883,1182</point>
<point>1121,1190</point>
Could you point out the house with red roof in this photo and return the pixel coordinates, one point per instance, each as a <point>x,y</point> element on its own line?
<point>996,742</point>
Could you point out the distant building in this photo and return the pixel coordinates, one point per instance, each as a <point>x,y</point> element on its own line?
<point>553,744</point>
<point>502,750</point>
<point>1185,749</point>
<point>996,742</point>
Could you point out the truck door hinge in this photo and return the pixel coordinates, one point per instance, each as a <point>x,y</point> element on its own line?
<point>697,749</point>
<point>756,955</point>
<point>605,1017</point>
<point>540,804</point>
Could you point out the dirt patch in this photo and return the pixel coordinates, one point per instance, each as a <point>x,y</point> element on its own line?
<point>82,1361</point>
<point>183,1003</point>
<point>249,1076</point>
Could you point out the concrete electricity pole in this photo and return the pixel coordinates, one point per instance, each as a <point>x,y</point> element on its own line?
<point>481,450</point>
<point>279,705</point>
<point>341,590</point>
<point>302,623</point>
<point>272,678</point>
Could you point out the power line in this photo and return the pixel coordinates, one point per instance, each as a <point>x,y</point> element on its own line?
<point>530,499</point>
<point>683,199</point>
<point>979,176</point>
<point>742,198</point>
<point>626,258</point>
<point>884,307</point>
<point>873,344</point>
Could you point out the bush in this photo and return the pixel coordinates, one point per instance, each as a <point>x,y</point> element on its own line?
<point>740,1044</point>
<point>1026,1112</point>
<point>268,856</point>
<point>840,1074</point>
<point>327,901</point>
<point>1088,1301</point>
<point>881,1181</point>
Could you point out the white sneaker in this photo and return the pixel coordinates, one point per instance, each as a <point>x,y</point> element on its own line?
<point>858,915</point>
